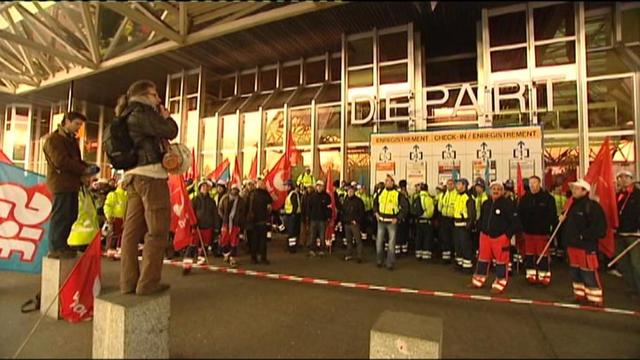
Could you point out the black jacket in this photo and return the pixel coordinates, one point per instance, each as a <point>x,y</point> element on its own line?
<point>499,217</point>
<point>258,203</point>
<point>319,206</point>
<point>585,225</point>
<point>352,210</point>
<point>538,213</point>
<point>205,209</point>
<point>147,129</point>
<point>629,210</point>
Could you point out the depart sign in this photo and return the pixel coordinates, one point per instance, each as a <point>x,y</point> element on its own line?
<point>400,99</point>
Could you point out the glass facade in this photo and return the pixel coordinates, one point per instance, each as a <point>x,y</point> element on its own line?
<point>554,64</point>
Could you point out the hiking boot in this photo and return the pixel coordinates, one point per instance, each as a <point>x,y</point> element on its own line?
<point>232,262</point>
<point>312,253</point>
<point>615,273</point>
<point>347,258</point>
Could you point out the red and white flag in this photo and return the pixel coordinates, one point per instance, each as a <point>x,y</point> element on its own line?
<point>82,286</point>
<point>253,171</point>
<point>292,152</point>
<point>603,189</point>
<point>519,183</point>
<point>330,189</point>
<point>236,178</point>
<point>275,181</point>
<point>182,215</point>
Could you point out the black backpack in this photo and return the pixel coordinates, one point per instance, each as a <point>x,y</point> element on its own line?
<point>416,207</point>
<point>118,144</point>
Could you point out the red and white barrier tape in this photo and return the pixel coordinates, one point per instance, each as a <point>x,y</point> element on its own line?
<point>364,286</point>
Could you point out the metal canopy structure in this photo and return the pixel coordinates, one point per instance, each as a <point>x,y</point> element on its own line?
<point>48,43</point>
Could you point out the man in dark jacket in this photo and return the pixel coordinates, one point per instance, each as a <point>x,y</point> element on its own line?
<point>584,225</point>
<point>205,210</point>
<point>537,211</point>
<point>498,222</point>
<point>64,172</point>
<point>258,213</point>
<point>629,222</point>
<point>232,211</point>
<point>353,217</point>
<point>319,213</point>
<point>148,206</point>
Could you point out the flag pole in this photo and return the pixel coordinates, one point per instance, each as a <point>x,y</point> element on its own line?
<point>553,235</point>
<point>204,249</point>
<point>625,251</point>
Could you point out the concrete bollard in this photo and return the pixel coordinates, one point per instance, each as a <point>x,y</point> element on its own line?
<point>130,326</point>
<point>54,273</point>
<point>399,335</point>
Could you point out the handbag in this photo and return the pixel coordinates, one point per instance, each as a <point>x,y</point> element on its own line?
<point>86,226</point>
<point>176,159</point>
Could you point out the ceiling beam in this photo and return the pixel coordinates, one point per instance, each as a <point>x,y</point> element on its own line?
<point>144,17</point>
<point>213,31</point>
<point>183,20</point>
<point>22,55</point>
<point>226,9</point>
<point>18,78</point>
<point>238,14</point>
<point>28,15</point>
<point>46,49</point>
<point>91,31</point>
<point>116,38</point>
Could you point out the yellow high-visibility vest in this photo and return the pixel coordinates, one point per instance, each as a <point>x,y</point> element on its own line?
<point>480,199</point>
<point>288,204</point>
<point>460,210</point>
<point>427,204</point>
<point>388,203</point>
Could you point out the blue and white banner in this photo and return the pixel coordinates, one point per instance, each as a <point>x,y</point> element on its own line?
<point>25,209</point>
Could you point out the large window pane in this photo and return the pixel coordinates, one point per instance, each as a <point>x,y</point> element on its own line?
<point>192,81</point>
<point>247,83</point>
<point>358,165</point>
<point>599,29</point>
<point>451,72</point>
<point>359,133</point>
<point>228,86</point>
<point>508,29</point>
<point>336,69</point>
<point>605,62</point>
<point>209,134</point>
<point>314,72</point>
<point>360,52</point>
<point>509,59</point>
<point>330,158</point>
<point>510,111</point>
<point>250,129</point>
<point>274,128</point>
<point>174,87</point>
<point>393,74</point>
<point>556,54</point>
<point>271,158</point>
<point>555,21</point>
<point>328,119</point>
<point>564,115</point>
<point>298,168</point>
<point>631,25</point>
<point>561,162</point>
<point>624,151</point>
<point>360,78</point>
<point>393,46</point>
<point>443,113</point>
<point>611,104</point>
<point>290,76</point>
<point>301,126</point>
<point>229,132</point>
<point>268,79</point>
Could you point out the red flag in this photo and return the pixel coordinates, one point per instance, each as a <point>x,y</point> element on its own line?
<point>330,190</point>
<point>519,183</point>
<point>4,158</point>
<point>603,188</point>
<point>193,171</point>
<point>275,180</point>
<point>82,285</point>
<point>236,178</point>
<point>182,215</point>
<point>294,155</point>
<point>253,172</point>
<point>218,171</point>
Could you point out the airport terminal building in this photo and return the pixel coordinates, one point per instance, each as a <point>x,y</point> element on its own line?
<point>240,78</point>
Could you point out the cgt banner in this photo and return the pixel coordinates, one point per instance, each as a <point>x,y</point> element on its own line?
<point>25,208</point>
<point>445,153</point>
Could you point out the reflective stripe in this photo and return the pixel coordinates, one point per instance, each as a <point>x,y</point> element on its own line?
<point>478,281</point>
<point>499,284</point>
<point>292,241</point>
<point>426,255</point>
<point>460,224</point>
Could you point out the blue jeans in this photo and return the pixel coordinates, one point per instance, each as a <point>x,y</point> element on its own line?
<point>63,215</point>
<point>391,254</point>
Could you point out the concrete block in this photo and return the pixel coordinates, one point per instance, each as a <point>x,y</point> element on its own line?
<point>130,326</point>
<point>399,335</point>
<point>54,273</point>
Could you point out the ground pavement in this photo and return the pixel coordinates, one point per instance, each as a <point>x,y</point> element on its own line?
<point>226,315</point>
